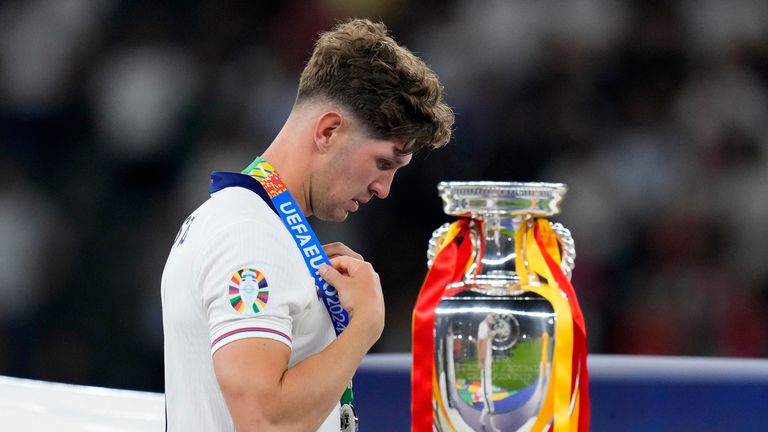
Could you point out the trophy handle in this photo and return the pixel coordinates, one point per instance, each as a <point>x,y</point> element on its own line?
<point>567,248</point>
<point>434,241</point>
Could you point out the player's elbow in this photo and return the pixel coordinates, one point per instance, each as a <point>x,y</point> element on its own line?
<point>258,402</point>
<point>264,410</point>
<point>255,411</point>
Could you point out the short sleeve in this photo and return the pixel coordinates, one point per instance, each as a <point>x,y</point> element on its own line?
<point>253,282</point>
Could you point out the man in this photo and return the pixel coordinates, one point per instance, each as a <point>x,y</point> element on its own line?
<point>249,345</point>
<point>485,334</point>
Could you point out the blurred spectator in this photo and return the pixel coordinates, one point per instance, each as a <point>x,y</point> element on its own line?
<point>35,256</point>
<point>41,42</point>
<point>140,98</point>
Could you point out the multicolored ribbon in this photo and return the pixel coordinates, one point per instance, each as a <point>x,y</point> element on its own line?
<point>566,404</point>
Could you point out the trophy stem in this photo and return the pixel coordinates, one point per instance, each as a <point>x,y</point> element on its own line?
<point>494,265</point>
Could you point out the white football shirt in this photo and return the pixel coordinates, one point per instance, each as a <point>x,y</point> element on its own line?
<point>233,272</point>
<point>484,332</point>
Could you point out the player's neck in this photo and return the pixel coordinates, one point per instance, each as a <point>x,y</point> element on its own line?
<point>292,168</point>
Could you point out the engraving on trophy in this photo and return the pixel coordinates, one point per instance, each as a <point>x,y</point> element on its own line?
<point>494,342</point>
<point>504,330</point>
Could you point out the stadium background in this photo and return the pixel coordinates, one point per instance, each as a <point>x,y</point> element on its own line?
<point>112,114</point>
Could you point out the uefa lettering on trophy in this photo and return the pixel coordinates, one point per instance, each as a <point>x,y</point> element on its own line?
<point>499,340</point>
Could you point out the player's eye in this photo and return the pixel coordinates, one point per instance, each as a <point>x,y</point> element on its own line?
<point>383,164</point>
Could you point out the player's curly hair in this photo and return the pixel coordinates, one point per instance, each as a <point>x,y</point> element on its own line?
<point>393,92</point>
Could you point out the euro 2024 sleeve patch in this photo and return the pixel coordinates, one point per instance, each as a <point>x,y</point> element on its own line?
<point>248,291</point>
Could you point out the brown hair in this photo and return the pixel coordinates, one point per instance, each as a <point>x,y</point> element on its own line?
<point>393,92</point>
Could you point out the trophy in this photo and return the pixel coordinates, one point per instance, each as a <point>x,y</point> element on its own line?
<point>506,327</point>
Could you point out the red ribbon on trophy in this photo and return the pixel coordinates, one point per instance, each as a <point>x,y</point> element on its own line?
<point>454,253</point>
<point>579,371</point>
<point>537,256</point>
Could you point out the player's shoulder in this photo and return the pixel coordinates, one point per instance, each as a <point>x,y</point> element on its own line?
<point>235,212</point>
<point>237,204</point>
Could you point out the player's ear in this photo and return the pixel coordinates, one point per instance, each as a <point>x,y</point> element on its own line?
<point>327,127</point>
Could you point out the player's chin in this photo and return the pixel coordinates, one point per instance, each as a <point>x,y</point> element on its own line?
<point>343,214</point>
<point>336,215</point>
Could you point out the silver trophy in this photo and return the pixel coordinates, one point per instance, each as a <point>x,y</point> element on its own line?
<point>494,341</point>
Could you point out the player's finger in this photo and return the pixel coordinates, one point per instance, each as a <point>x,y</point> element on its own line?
<point>340,249</point>
<point>329,274</point>
<point>347,265</point>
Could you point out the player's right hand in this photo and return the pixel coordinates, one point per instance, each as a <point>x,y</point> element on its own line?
<point>359,291</point>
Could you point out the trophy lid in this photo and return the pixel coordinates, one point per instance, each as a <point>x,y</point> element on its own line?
<point>477,198</point>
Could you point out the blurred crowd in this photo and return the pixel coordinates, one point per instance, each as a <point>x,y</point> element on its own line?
<point>113,113</point>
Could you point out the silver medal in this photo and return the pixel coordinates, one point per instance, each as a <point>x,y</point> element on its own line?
<point>348,418</point>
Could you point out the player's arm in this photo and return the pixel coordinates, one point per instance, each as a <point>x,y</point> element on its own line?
<point>481,350</point>
<point>483,334</point>
<point>264,394</point>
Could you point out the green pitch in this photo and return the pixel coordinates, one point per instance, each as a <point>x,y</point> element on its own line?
<point>518,370</point>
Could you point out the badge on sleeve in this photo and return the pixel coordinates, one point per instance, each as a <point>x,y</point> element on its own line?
<point>248,291</point>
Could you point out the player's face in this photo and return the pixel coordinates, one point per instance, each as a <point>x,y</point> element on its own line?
<point>356,169</point>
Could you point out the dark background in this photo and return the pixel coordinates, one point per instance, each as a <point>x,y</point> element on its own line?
<point>113,112</point>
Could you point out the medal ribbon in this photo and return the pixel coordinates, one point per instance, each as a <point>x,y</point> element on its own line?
<point>454,252</point>
<point>311,250</point>
<point>282,203</point>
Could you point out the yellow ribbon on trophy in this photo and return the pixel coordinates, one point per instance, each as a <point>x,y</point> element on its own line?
<point>533,240</point>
